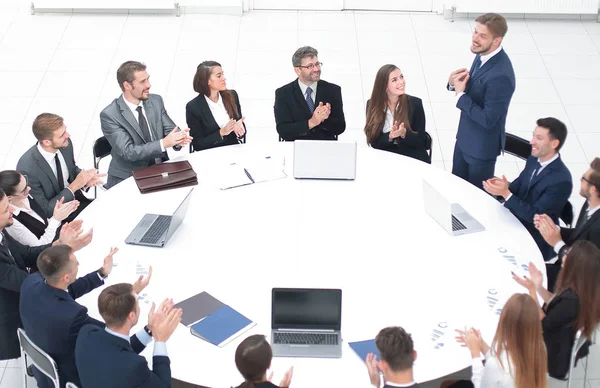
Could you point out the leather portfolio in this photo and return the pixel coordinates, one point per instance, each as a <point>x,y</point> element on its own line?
<point>165,176</point>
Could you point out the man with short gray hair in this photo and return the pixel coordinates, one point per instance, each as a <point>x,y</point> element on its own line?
<point>309,108</point>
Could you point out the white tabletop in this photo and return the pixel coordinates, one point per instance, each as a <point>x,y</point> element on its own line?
<point>371,237</point>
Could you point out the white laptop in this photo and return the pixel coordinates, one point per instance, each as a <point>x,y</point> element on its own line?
<point>324,159</point>
<point>452,217</point>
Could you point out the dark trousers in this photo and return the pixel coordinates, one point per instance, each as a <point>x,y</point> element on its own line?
<point>474,171</point>
<point>83,203</point>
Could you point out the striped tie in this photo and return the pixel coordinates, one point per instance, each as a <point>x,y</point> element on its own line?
<point>309,101</point>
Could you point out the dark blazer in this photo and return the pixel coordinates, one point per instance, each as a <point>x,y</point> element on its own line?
<point>414,144</point>
<point>13,272</point>
<point>203,127</point>
<point>52,319</point>
<point>41,179</point>
<point>547,193</point>
<point>559,331</point>
<point>292,114</point>
<point>105,360</point>
<point>481,130</point>
<point>585,230</point>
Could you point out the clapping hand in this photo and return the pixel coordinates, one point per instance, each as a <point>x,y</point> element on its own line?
<point>228,128</point>
<point>372,368</point>
<point>156,318</point>
<point>287,378</point>
<point>457,75</point>
<point>471,339</point>
<point>107,266</point>
<point>142,282</point>
<point>71,234</point>
<point>397,131</point>
<point>63,210</point>
<point>177,137</point>
<point>164,324</point>
<point>497,186</point>
<point>320,114</point>
<point>547,228</point>
<point>239,128</point>
<point>525,282</point>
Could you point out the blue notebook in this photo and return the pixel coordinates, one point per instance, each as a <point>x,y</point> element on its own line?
<point>362,348</point>
<point>222,326</point>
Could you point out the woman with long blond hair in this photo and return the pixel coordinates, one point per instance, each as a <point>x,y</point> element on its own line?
<point>517,356</point>
<point>395,120</point>
<point>574,306</point>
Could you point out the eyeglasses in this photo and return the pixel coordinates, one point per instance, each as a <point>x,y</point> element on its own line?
<point>312,66</point>
<point>24,191</point>
<point>583,178</point>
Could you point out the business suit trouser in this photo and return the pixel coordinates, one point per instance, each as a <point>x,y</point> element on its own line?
<point>83,203</point>
<point>470,169</point>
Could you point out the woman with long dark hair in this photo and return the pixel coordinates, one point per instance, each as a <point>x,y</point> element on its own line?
<point>30,226</point>
<point>517,357</point>
<point>253,358</point>
<point>215,115</point>
<point>395,120</point>
<point>574,306</point>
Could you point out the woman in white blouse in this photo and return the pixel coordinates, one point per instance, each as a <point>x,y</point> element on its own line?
<point>215,115</point>
<point>517,357</point>
<point>30,226</point>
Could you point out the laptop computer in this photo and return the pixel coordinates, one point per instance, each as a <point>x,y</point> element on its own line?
<point>452,217</point>
<point>306,322</point>
<point>154,230</point>
<point>324,159</point>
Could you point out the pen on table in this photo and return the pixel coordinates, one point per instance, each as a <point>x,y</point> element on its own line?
<point>249,176</point>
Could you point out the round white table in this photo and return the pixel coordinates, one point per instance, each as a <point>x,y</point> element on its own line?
<point>371,237</point>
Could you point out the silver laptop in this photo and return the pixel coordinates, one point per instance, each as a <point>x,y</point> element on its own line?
<point>306,322</point>
<point>324,159</point>
<point>452,217</point>
<point>154,230</point>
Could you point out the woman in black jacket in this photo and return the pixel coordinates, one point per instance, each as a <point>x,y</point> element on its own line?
<point>215,115</point>
<point>253,358</point>
<point>395,120</point>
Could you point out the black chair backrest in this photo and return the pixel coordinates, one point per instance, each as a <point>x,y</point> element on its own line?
<point>566,214</point>
<point>517,146</point>
<point>101,148</point>
<point>40,359</point>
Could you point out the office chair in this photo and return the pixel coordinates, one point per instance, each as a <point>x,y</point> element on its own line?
<point>100,150</point>
<point>517,146</point>
<point>241,139</point>
<point>580,340</point>
<point>42,361</point>
<point>428,145</point>
<point>335,137</point>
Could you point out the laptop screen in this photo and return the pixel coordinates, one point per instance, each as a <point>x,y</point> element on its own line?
<point>179,214</point>
<point>296,308</point>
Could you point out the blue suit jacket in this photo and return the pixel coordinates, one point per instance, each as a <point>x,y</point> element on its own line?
<point>105,360</point>
<point>481,130</point>
<point>52,319</point>
<point>547,193</point>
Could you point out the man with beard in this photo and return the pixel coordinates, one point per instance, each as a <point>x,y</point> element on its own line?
<point>483,95</point>
<point>309,108</point>
<point>50,167</point>
<point>137,125</point>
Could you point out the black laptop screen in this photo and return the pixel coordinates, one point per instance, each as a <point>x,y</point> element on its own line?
<point>306,309</point>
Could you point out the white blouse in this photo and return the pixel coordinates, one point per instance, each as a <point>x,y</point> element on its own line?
<point>19,232</point>
<point>492,375</point>
<point>218,111</point>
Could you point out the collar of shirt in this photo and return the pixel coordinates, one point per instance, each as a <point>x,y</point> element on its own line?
<point>487,57</point>
<point>22,209</point>
<point>109,331</point>
<point>133,107</point>
<point>1,236</point>
<point>590,211</point>
<point>547,162</point>
<point>214,104</point>
<point>303,87</point>
<point>49,156</point>
<point>399,385</point>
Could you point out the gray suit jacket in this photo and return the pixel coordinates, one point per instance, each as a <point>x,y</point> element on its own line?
<point>129,149</point>
<point>43,182</point>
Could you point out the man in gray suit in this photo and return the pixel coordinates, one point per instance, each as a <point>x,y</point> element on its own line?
<point>50,167</point>
<point>137,125</point>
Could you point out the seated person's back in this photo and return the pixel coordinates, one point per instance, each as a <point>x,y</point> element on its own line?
<point>253,358</point>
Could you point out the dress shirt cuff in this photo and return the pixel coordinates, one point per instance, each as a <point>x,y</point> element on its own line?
<point>508,197</point>
<point>160,349</point>
<point>162,146</point>
<point>53,223</point>
<point>451,87</point>
<point>458,96</point>
<point>100,277</point>
<point>144,338</point>
<point>559,246</point>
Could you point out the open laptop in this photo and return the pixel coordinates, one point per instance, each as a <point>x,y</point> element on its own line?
<point>306,322</point>
<point>154,230</point>
<point>324,159</point>
<point>452,217</point>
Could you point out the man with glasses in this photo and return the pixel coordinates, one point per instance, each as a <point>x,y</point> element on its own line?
<point>586,228</point>
<point>309,108</point>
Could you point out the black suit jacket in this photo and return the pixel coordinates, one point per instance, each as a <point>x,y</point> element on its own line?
<point>292,114</point>
<point>414,143</point>
<point>52,319</point>
<point>13,272</point>
<point>105,360</point>
<point>590,230</point>
<point>43,182</point>
<point>203,127</point>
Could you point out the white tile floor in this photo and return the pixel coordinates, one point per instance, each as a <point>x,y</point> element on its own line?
<point>66,64</point>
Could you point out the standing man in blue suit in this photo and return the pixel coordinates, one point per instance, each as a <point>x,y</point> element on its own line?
<point>544,185</point>
<point>483,95</point>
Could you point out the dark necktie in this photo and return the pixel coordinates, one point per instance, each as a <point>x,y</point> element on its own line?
<point>477,66</point>
<point>582,220</point>
<point>143,124</point>
<point>59,173</point>
<point>309,101</point>
<point>535,172</point>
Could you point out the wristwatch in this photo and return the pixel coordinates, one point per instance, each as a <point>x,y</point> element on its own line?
<point>147,330</point>
<point>101,274</point>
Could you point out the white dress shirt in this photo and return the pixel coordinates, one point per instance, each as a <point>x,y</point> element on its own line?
<point>561,243</point>
<point>492,375</point>
<point>134,111</point>
<point>218,110</point>
<point>49,157</point>
<point>537,172</point>
<point>303,88</point>
<point>19,232</point>
<point>389,121</point>
<point>160,348</point>
<point>484,59</point>
<point>390,384</point>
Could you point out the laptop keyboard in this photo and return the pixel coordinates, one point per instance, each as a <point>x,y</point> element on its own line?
<point>457,225</point>
<point>158,228</point>
<point>305,338</point>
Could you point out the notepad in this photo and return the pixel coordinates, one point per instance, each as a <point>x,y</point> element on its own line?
<point>362,348</point>
<point>247,173</point>
<point>222,326</point>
